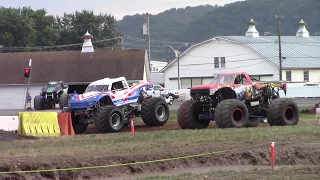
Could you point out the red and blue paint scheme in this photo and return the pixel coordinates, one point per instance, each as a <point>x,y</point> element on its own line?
<point>120,97</point>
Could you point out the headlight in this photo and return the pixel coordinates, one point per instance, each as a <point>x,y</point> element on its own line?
<point>91,103</point>
<point>212,91</point>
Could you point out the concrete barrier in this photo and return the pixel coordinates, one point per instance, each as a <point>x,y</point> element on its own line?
<point>39,124</point>
<point>9,123</point>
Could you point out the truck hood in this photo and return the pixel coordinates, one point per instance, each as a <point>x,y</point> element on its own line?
<point>207,86</point>
<point>87,97</point>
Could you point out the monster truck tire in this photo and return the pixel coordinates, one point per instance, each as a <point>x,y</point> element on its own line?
<point>188,117</point>
<point>37,104</point>
<point>155,111</point>
<point>109,119</point>
<point>231,113</point>
<point>283,112</point>
<point>254,122</point>
<point>63,100</point>
<point>78,127</point>
<point>126,122</point>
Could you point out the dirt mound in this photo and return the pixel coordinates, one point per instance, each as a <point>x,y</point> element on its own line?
<point>285,155</point>
<point>11,136</point>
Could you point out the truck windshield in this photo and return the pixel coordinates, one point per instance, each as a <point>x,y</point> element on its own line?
<point>222,79</point>
<point>97,88</point>
<point>52,85</point>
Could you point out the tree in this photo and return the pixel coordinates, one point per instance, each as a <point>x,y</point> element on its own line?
<point>73,26</point>
<point>24,27</point>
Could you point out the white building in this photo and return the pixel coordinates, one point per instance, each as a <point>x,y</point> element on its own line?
<point>156,66</point>
<point>252,53</point>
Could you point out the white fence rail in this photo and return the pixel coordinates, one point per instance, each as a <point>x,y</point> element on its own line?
<point>292,92</point>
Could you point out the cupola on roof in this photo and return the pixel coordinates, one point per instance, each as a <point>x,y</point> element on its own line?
<point>302,31</point>
<point>252,31</point>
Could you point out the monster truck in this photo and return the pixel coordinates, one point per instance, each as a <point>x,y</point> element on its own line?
<point>236,100</point>
<point>51,95</point>
<point>110,103</point>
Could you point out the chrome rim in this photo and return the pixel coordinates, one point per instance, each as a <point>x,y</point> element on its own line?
<point>115,120</point>
<point>161,111</point>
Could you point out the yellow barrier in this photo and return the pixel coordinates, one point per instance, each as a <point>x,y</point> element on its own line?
<point>39,124</point>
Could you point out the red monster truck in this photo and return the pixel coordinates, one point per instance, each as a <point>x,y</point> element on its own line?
<point>236,100</point>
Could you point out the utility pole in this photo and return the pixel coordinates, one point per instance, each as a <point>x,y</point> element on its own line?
<point>167,52</point>
<point>279,39</point>
<point>179,85</point>
<point>122,46</point>
<point>148,39</point>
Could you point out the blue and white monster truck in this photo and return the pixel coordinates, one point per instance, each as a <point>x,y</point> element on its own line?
<point>110,103</point>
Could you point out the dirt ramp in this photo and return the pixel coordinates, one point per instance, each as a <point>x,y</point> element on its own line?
<point>285,155</point>
<point>6,136</point>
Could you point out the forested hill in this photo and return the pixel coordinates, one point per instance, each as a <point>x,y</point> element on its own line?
<point>194,24</point>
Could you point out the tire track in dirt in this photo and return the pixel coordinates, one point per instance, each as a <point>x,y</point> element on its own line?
<point>285,155</point>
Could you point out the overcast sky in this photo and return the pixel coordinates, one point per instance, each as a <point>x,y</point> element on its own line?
<point>118,8</point>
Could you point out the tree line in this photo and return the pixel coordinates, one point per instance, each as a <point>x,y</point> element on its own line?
<point>25,29</point>
<point>196,24</point>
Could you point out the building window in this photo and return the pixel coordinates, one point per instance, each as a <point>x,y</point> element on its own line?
<point>216,62</point>
<point>288,75</point>
<point>306,76</point>
<point>196,81</point>
<point>223,62</point>
<point>185,83</point>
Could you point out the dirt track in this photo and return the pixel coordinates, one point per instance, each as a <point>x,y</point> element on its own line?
<point>286,155</point>
<point>238,159</point>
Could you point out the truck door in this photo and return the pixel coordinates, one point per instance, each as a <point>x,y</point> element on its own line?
<point>119,88</point>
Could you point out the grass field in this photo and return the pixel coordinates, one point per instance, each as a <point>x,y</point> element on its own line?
<point>100,149</point>
<point>284,173</point>
<point>160,141</point>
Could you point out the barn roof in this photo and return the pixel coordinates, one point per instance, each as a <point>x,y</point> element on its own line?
<point>299,52</point>
<point>72,66</point>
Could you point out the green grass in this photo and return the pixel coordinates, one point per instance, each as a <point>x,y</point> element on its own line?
<point>307,116</point>
<point>285,173</point>
<point>159,141</point>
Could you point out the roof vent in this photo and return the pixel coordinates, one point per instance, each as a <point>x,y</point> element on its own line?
<point>252,31</point>
<point>87,44</point>
<point>302,32</point>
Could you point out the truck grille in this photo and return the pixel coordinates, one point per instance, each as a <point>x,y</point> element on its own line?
<point>200,92</point>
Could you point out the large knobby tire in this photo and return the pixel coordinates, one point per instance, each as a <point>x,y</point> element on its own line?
<point>37,104</point>
<point>254,122</point>
<point>188,117</point>
<point>63,100</point>
<point>155,111</point>
<point>79,127</point>
<point>231,113</point>
<point>109,119</point>
<point>283,112</point>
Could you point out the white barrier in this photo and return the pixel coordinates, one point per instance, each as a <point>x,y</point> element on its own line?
<point>292,92</point>
<point>303,92</point>
<point>9,123</point>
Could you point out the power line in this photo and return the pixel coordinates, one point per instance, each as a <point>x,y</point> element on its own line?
<point>57,46</point>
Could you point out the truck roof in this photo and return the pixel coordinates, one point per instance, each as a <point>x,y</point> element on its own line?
<point>107,81</point>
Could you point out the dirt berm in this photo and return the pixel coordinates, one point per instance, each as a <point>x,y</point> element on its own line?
<point>285,155</point>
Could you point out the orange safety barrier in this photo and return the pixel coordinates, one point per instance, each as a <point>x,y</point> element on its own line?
<point>65,123</point>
